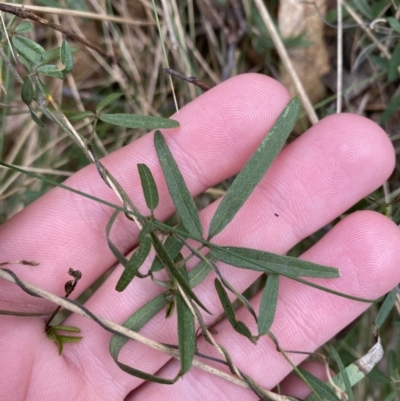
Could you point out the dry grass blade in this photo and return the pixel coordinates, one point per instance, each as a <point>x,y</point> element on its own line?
<point>305,101</point>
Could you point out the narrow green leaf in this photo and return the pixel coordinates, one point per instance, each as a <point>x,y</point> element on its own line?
<point>241,298</point>
<point>393,364</point>
<point>27,64</point>
<point>237,325</point>
<point>394,64</point>
<point>186,334</point>
<point>322,389</point>
<point>268,304</point>
<point>50,3</point>
<point>172,247</point>
<point>28,49</point>
<point>378,7</point>
<point>135,323</point>
<point>53,336</point>
<point>70,329</point>
<point>54,54</point>
<point>138,121</point>
<point>225,302</point>
<point>364,8</point>
<point>242,329</point>
<point>24,27</point>
<point>107,101</point>
<point>170,265</point>
<point>134,263</point>
<point>344,376</point>
<point>66,58</point>
<point>255,169</point>
<point>149,186</point>
<point>394,24</point>
<point>379,377</point>
<point>392,396</point>
<point>200,272</point>
<point>360,368</point>
<point>80,115</point>
<point>10,22</point>
<point>51,70</point>
<point>380,62</point>
<point>77,5</point>
<point>70,339</point>
<point>392,108</point>
<point>177,188</point>
<point>34,116</point>
<point>386,308</point>
<point>60,340</point>
<point>27,91</point>
<point>247,258</point>
<point>260,267</point>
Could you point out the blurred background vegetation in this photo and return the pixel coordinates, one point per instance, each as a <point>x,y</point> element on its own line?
<point>212,40</point>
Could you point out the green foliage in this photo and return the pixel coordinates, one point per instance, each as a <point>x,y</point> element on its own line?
<point>30,52</point>
<point>136,121</point>
<point>391,109</point>
<point>365,8</point>
<point>268,304</point>
<point>386,308</point>
<point>60,339</point>
<point>322,389</point>
<point>27,91</point>
<point>178,190</point>
<point>255,169</point>
<point>173,246</point>
<point>267,262</point>
<point>112,97</point>
<point>237,325</point>
<point>344,376</point>
<point>394,24</point>
<point>149,187</point>
<point>135,323</point>
<point>137,258</point>
<point>171,242</point>
<point>186,334</point>
<point>394,64</point>
<point>24,27</point>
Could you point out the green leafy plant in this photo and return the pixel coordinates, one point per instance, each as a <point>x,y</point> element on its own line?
<point>170,241</point>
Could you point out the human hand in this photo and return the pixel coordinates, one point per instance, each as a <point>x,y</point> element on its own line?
<point>314,179</point>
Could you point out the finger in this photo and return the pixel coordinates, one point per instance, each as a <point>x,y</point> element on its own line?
<point>365,247</point>
<point>314,179</point>
<point>218,132</point>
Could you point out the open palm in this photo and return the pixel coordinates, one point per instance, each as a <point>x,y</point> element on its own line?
<point>314,179</point>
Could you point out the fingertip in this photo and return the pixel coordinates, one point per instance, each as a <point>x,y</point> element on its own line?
<point>367,138</point>
<point>376,239</point>
<point>365,246</point>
